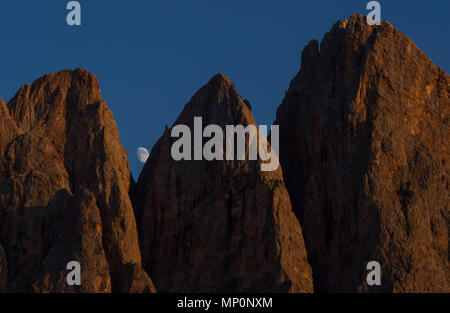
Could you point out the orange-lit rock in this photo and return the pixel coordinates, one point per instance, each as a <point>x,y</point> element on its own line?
<point>364,131</point>
<point>218,226</point>
<point>64,184</point>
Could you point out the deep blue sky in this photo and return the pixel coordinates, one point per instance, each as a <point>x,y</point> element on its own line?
<point>151,56</point>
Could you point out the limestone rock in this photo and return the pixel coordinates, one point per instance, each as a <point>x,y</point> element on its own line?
<point>217,226</point>
<point>64,183</point>
<point>8,127</point>
<point>364,131</point>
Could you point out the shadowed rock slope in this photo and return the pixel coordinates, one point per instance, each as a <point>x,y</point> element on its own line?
<point>64,184</point>
<point>217,226</point>
<point>3,270</point>
<point>364,149</point>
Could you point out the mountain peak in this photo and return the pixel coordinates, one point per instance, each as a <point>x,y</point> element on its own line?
<point>221,79</point>
<point>234,226</point>
<point>48,94</point>
<point>358,22</point>
<point>368,115</point>
<point>74,180</point>
<point>218,103</point>
<point>219,83</point>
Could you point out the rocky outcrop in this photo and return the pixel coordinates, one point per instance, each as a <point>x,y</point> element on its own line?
<point>64,183</point>
<point>217,226</point>
<point>364,131</point>
<point>8,127</point>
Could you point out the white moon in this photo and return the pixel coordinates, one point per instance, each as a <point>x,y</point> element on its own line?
<point>142,154</point>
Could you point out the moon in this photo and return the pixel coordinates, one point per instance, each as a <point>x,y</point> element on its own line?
<point>142,154</point>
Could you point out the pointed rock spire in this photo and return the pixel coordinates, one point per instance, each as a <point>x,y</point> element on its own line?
<point>218,226</point>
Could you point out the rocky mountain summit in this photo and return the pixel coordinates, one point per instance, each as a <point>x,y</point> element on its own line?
<point>364,176</point>
<point>64,190</point>
<point>364,149</point>
<point>218,226</point>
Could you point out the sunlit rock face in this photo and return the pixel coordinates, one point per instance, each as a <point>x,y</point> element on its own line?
<point>364,133</point>
<point>64,190</point>
<point>217,226</point>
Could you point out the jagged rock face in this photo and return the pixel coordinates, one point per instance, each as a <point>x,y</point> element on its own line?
<point>8,127</point>
<point>217,226</point>
<point>364,132</point>
<point>64,183</point>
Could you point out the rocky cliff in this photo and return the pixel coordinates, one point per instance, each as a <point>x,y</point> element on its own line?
<point>364,149</point>
<point>64,190</point>
<point>218,226</point>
